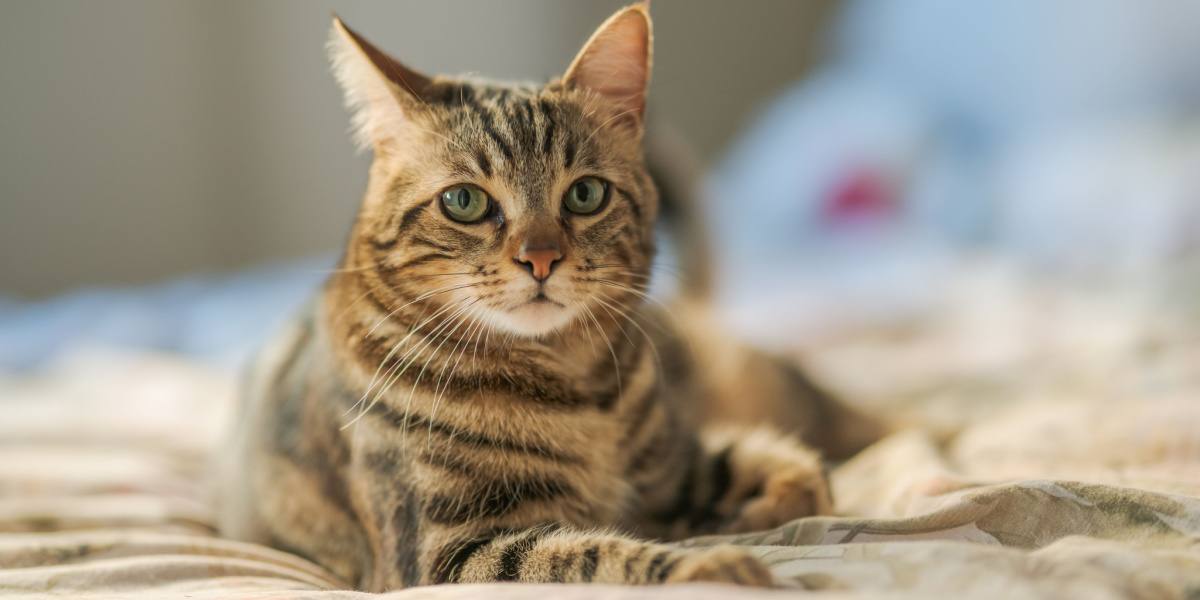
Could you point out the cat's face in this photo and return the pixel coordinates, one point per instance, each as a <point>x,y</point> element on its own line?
<point>525,208</point>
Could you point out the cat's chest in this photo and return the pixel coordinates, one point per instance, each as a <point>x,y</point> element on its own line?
<point>557,464</point>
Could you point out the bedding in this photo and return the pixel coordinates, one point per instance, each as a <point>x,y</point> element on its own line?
<point>1059,459</point>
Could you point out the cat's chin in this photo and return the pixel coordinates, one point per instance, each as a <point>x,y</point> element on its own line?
<point>533,319</point>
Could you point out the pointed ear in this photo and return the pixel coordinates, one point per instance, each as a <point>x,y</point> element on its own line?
<point>615,62</point>
<point>380,92</point>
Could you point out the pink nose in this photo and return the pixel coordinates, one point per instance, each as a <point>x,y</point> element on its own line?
<point>539,262</point>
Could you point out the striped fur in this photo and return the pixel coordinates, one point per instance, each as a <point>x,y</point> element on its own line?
<point>425,422</point>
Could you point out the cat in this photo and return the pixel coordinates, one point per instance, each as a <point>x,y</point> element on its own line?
<point>482,391</point>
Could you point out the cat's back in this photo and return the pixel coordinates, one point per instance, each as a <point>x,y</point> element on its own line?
<point>271,420</point>
<point>723,381</point>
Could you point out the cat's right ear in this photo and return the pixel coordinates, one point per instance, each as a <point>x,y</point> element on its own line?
<point>615,62</point>
<point>381,93</point>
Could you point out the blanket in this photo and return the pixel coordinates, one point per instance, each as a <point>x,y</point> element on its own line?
<point>1067,466</point>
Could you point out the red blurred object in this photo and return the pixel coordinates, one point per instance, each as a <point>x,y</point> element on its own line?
<point>863,194</point>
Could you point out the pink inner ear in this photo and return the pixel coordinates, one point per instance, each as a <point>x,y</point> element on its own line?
<point>615,63</point>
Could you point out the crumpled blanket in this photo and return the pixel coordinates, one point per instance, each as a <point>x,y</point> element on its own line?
<point>1022,476</point>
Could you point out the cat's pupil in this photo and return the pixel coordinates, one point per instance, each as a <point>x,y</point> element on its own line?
<point>464,199</point>
<point>581,192</point>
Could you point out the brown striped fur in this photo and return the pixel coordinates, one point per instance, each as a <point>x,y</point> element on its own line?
<point>427,420</point>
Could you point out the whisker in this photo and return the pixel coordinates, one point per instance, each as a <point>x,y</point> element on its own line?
<point>670,269</point>
<point>393,350</point>
<point>607,308</point>
<point>337,318</point>
<point>396,371</point>
<point>474,368</point>
<point>653,322</point>
<point>587,331</point>
<point>616,361</point>
<point>680,330</point>
<point>624,271</point>
<point>438,394</point>
<point>376,267</point>
<point>371,287</point>
<point>419,298</point>
<point>634,291</point>
<point>413,390</point>
<point>391,375</point>
<point>632,321</point>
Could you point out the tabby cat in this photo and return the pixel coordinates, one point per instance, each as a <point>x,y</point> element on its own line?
<point>480,392</point>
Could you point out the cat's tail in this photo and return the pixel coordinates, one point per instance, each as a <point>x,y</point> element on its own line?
<point>677,175</point>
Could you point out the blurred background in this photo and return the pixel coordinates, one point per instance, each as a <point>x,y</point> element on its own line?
<point>176,175</point>
<point>975,220</point>
<point>141,139</point>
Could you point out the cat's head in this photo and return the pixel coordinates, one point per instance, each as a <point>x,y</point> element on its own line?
<point>526,207</point>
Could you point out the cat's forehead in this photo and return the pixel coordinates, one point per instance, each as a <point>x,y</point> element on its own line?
<point>521,132</point>
<point>519,113</point>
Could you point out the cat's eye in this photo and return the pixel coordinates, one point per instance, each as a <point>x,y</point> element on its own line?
<point>586,195</point>
<point>466,203</point>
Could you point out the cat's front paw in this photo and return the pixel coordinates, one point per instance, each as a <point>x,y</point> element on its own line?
<point>773,479</point>
<point>785,496</point>
<point>721,564</point>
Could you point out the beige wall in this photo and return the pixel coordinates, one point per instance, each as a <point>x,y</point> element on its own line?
<point>144,138</point>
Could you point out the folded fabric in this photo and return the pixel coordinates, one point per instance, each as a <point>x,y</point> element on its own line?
<point>103,494</point>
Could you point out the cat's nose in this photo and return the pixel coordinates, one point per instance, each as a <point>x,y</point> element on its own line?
<point>540,262</point>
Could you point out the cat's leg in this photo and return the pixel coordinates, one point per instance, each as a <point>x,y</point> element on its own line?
<point>549,554</point>
<point>381,489</point>
<point>758,479</point>
<point>410,550</point>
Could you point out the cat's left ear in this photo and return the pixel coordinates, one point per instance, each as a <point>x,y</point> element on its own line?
<point>381,92</point>
<point>615,62</point>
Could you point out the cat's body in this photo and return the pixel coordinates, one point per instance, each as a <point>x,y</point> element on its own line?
<point>497,436</point>
<point>479,393</point>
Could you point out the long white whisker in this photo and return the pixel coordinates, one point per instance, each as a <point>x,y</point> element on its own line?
<point>607,308</point>
<point>632,321</point>
<point>391,353</point>
<point>416,300</point>
<point>616,361</point>
<point>639,293</point>
<point>413,390</point>
<point>438,390</point>
<point>681,331</point>
<point>397,370</point>
<point>425,342</point>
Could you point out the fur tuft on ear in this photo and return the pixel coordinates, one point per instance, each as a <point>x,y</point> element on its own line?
<point>615,62</point>
<point>380,92</point>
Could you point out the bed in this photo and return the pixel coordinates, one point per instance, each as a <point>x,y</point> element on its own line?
<point>1059,459</point>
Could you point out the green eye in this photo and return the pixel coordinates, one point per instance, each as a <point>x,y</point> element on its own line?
<point>465,203</point>
<point>586,195</point>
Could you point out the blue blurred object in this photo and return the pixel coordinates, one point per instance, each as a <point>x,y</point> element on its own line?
<point>220,320</point>
<point>1064,136</point>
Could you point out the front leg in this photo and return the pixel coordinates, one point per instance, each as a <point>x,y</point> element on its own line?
<point>389,509</point>
<point>554,554</point>
<point>487,536</point>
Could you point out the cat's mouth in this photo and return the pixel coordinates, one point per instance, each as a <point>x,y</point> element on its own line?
<point>535,315</point>
<point>542,298</point>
